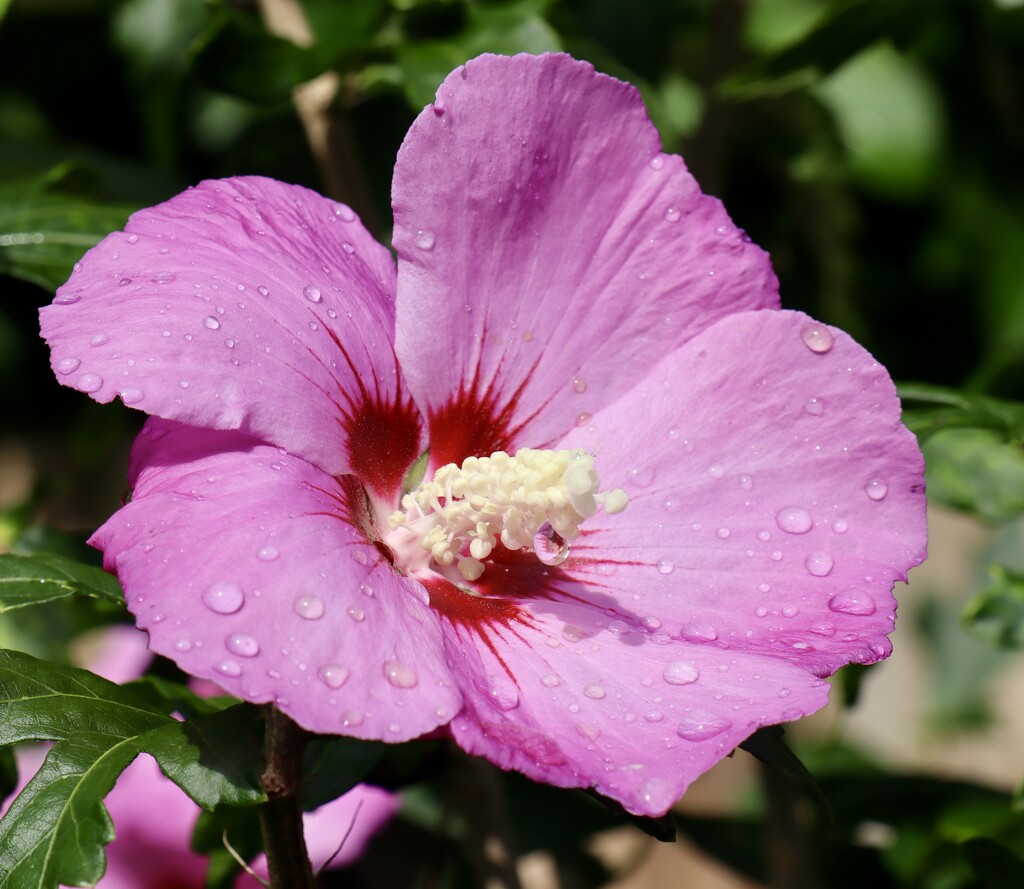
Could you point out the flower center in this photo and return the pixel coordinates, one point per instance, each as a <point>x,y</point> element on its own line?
<point>460,515</point>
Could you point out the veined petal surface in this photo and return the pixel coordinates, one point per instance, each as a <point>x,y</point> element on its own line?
<point>775,497</point>
<point>250,567</point>
<point>562,251</point>
<point>246,304</point>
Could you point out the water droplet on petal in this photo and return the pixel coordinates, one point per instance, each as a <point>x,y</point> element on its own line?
<point>309,607</point>
<point>594,691</point>
<point>211,323</point>
<point>425,240</point>
<point>814,407</point>
<point>700,727</point>
<point>357,614</point>
<point>132,239</point>
<point>876,489</point>
<point>840,526</point>
<point>68,365</point>
<point>665,566</point>
<point>551,680</point>
<point>579,384</point>
<point>641,476</point>
<point>672,214</point>
<point>818,338</point>
<point>183,645</point>
<point>90,382</point>
<point>267,553</point>
<point>657,162</point>
<point>856,602</point>
<point>654,716</point>
<point>333,675</point>
<point>131,395</point>
<point>572,633</point>
<point>794,520</point>
<point>228,668</point>
<point>503,692</point>
<point>550,547</point>
<point>99,340</point>
<point>312,293</point>
<point>242,644</point>
<point>223,597</point>
<point>819,564</point>
<point>680,673</point>
<point>400,675</point>
<point>262,291</point>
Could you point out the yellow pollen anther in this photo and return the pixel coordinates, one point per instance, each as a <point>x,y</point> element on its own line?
<point>465,511</point>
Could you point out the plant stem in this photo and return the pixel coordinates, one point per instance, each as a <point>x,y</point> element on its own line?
<point>281,815</point>
<point>788,841</point>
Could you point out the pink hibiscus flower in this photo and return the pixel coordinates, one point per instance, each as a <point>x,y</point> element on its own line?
<point>561,285</point>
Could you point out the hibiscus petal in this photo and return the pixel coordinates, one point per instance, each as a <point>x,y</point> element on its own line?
<point>247,567</point>
<point>549,252</point>
<point>576,702</point>
<point>775,497</point>
<point>246,304</point>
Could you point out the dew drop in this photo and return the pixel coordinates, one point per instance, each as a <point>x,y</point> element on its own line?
<point>211,323</point>
<point>228,668</point>
<point>356,613</point>
<point>572,633</point>
<point>680,673</point>
<point>698,632</point>
<point>814,407</point>
<point>550,547</point>
<point>502,692</point>
<point>579,384</point>
<point>657,162</point>
<point>183,645</point>
<point>68,365</point>
<point>309,607</point>
<point>99,340</point>
<point>723,533</point>
<point>594,691</point>
<point>583,419</point>
<point>840,526</point>
<point>818,338</point>
<point>700,727</point>
<point>856,602</point>
<point>312,293</point>
<point>262,291</point>
<point>267,553</point>
<point>131,395</point>
<point>90,382</point>
<point>425,240</point>
<point>551,681</point>
<point>641,476</point>
<point>761,611</point>
<point>242,644</point>
<point>819,564</point>
<point>654,716</point>
<point>333,675</point>
<point>665,566</point>
<point>672,214</point>
<point>345,213</point>
<point>400,675</point>
<point>876,489</point>
<point>794,520</point>
<point>132,239</point>
<point>223,597</point>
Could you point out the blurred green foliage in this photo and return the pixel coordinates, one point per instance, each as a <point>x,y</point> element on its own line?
<point>873,147</point>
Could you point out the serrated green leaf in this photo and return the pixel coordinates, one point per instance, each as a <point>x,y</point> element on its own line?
<point>334,766</point>
<point>44,230</point>
<point>43,577</point>
<point>997,614</point>
<point>55,830</point>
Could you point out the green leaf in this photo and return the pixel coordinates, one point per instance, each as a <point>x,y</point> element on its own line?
<point>55,830</point>
<point>846,29</point>
<point>930,409</point>
<point>997,614</point>
<point>44,229</point>
<point>43,577</point>
<point>977,471</point>
<point>239,57</point>
<point>240,827</point>
<point>8,773</point>
<point>334,766</point>
<point>767,745</point>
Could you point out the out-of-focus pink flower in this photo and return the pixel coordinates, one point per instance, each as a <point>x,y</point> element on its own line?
<point>561,285</point>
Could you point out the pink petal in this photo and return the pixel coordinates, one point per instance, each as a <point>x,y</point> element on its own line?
<point>246,304</point>
<point>775,497</point>
<point>569,698</point>
<point>549,252</point>
<point>119,653</point>
<point>247,567</point>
